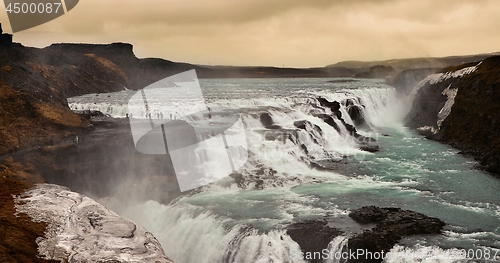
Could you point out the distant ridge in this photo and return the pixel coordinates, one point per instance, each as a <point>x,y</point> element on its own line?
<point>412,63</point>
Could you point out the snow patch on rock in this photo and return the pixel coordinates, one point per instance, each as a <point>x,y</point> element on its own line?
<point>440,77</point>
<point>452,74</point>
<point>82,230</point>
<point>445,111</point>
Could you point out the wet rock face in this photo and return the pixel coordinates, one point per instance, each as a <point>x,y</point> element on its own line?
<point>427,104</point>
<point>312,235</point>
<point>357,116</point>
<point>329,120</point>
<point>81,230</point>
<point>392,224</point>
<point>307,125</point>
<point>366,143</point>
<point>267,121</point>
<point>334,106</point>
<point>472,123</point>
<point>370,148</point>
<point>331,104</point>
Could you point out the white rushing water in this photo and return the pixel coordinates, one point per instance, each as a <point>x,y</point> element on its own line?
<point>245,222</point>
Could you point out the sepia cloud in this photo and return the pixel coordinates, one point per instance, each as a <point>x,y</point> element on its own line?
<point>294,33</point>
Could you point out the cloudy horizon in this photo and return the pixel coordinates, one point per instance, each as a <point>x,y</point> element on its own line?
<point>290,33</point>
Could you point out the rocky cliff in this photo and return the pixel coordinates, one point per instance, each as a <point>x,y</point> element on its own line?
<point>38,131</point>
<point>460,106</point>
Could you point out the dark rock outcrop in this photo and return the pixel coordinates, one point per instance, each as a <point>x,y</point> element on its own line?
<point>5,39</point>
<point>307,125</point>
<point>280,134</point>
<point>267,121</point>
<point>430,99</point>
<point>312,235</point>
<point>88,114</point>
<point>370,148</point>
<point>334,106</point>
<point>351,130</point>
<point>473,121</point>
<point>388,226</point>
<point>392,224</point>
<point>330,121</point>
<point>300,124</point>
<point>357,117</point>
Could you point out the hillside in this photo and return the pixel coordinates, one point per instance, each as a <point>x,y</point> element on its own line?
<point>414,63</point>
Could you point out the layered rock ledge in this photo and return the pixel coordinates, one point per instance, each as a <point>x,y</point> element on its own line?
<point>81,230</point>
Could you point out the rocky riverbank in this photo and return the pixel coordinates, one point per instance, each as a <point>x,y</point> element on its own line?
<point>459,106</point>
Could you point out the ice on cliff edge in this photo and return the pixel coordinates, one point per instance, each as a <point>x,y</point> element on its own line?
<point>82,230</point>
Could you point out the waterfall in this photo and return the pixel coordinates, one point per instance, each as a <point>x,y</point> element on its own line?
<point>186,232</point>
<point>232,221</point>
<point>319,142</point>
<point>335,250</point>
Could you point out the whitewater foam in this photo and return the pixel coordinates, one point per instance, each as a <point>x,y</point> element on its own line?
<point>222,222</point>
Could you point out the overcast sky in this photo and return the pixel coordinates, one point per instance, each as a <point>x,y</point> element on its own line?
<point>294,33</point>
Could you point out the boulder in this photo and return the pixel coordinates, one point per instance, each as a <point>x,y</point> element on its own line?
<point>267,121</point>
<point>392,224</point>
<point>380,229</point>
<point>370,148</point>
<point>312,235</point>
<point>300,124</point>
